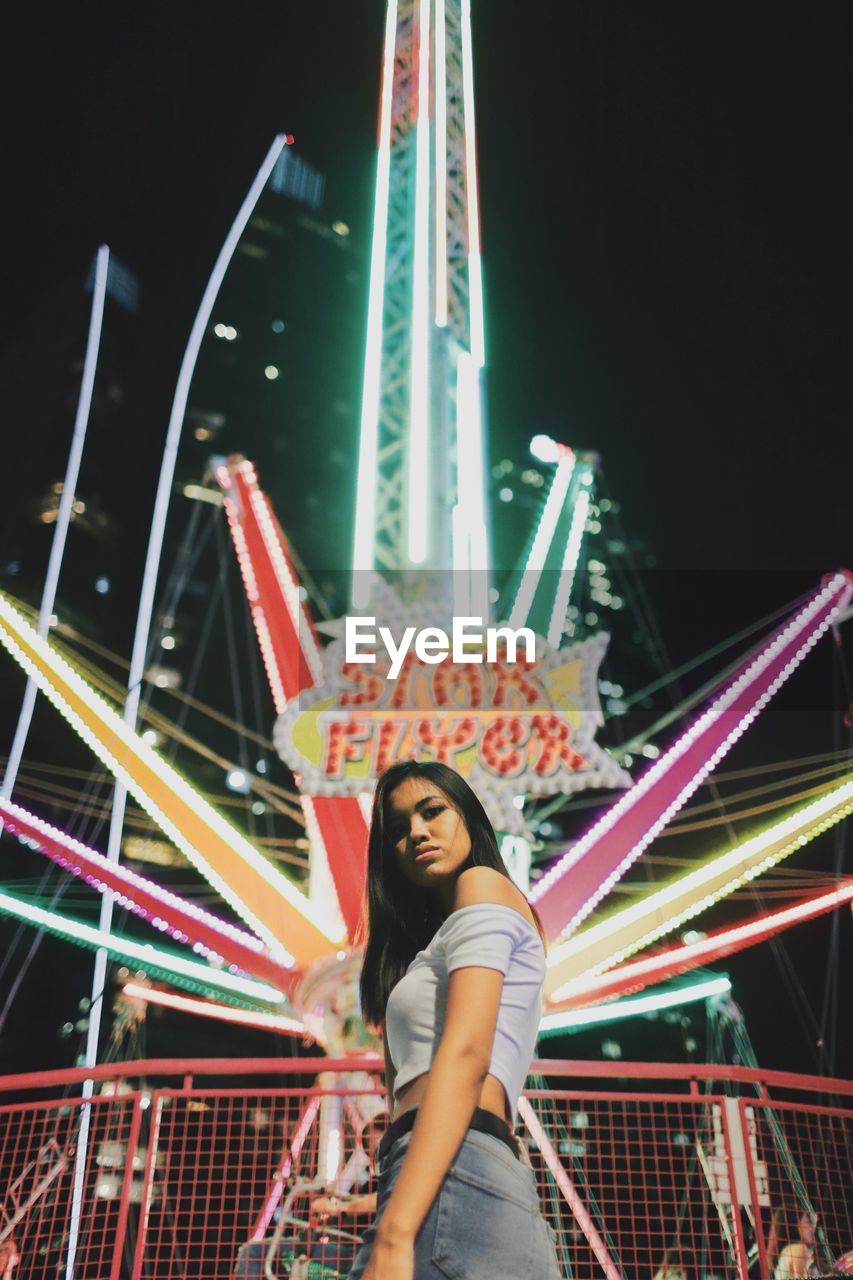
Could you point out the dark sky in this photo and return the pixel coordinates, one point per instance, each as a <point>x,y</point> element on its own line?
<point>666,208</point>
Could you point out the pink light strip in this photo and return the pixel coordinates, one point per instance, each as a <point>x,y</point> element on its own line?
<point>215,939</point>
<point>282,1173</point>
<point>209,1009</point>
<point>602,856</point>
<point>569,1190</point>
<point>627,979</point>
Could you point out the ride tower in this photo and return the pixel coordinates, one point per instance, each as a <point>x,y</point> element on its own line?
<point>420,500</point>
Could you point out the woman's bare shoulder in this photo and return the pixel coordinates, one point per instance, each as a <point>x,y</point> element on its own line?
<point>484,884</point>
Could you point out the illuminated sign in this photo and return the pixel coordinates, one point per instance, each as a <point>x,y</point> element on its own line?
<point>511,724</point>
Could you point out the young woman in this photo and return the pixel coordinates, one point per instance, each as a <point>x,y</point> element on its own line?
<point>453,971</point>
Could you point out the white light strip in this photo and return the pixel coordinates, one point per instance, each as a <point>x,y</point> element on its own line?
<point>440,166</point>
<point>475,265</point>
<point>632,1008</point>
<point>66,503</point>
<point>543,539</point>
<point>141,953</point>
<point>206,1009</point>
<point>368,460</point>
<point>571,557</point>
<point>419,390</point>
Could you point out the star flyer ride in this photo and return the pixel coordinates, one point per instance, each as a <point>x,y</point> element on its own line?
<point>515,723</point>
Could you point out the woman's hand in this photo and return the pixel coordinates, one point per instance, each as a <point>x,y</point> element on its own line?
<point>391,1258</point>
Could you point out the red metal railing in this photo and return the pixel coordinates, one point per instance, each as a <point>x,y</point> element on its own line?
<point>198,1169</point>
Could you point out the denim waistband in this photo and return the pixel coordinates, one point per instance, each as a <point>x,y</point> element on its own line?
<point>482,1120</point>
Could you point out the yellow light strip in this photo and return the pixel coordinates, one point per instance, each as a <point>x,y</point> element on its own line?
<point>618,936</point>
<point>268,902</point>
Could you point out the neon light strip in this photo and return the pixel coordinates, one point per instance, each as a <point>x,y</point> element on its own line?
<point>571,557</point>
<point>543,539</point>
<point>250,582</point>
<point>468,517</point>
<point>142,634</point>
<point>172,803</point>
<point>553,1023</point>
<point>629,978</point>
<point>66,503</point>
<point>283,1171</point>
<point>215,939</point>
<point>419,415</point>
<point>368,461</point>
<point>619,936</point>
<point>299,617</point>
<point>440,166</point>
<point>630,825</point>
<point>475,265</point>
<point>174,966</point>
<point>206,1009</point>
<point>577,1206</point>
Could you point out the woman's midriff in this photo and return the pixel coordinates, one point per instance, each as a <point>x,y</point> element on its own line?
<point>492,1097</point>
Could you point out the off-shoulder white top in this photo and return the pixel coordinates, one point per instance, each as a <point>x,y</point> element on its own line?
<point>486,934</point>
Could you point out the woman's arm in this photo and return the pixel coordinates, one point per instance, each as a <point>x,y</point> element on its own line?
<point>456,1076</point>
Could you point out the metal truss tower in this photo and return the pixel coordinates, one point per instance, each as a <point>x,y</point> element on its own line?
<point>420,500</point>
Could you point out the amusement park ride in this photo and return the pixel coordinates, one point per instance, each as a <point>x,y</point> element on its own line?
<point>421,555</point>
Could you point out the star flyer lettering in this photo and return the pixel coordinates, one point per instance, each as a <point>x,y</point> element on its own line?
<point>505,710</point>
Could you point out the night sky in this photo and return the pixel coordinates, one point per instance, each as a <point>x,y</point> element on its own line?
<point>666,212</point>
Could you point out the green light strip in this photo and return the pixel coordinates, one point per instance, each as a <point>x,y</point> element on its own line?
<point>169,966</point>
<point>555,1023</point>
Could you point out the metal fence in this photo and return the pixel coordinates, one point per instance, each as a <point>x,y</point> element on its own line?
<point>208,1169</point>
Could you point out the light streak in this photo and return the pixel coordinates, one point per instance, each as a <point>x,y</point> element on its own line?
<point>470,555</point>
<point>553,1023</point>
<point>368,461</point>
<point>419,415</point>
<point>649,805</point>
<point>286,579</point>
<point>440,165</point>
<point>215,939</point>
<point>207,1009</point>
<point>629,978</point>
<point>66,503</point>
<point>475,265</point>
<point>543,539</point>
<point>571,556</point>
<point>615,938</point>
<point>174,967</point>
<point>267,901</point>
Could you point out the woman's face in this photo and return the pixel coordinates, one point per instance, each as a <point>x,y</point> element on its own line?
<point>428,836</point>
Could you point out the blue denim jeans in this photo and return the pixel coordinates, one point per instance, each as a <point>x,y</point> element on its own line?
<point>484,1224</point>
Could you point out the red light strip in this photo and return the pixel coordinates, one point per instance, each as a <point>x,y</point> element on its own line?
<point>338,823</point>
<point>628,979</point>
<point>289,645</point>
<point>209,1009</point>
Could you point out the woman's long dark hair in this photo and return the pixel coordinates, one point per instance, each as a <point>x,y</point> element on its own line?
<point>397,918</point>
